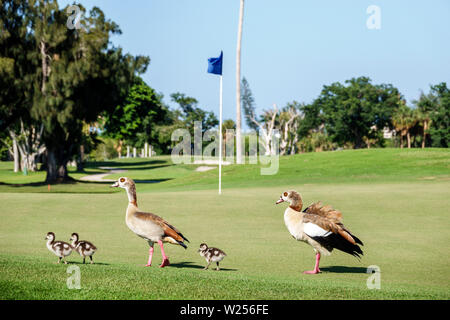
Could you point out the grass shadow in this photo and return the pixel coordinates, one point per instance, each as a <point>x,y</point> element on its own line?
<point>108,183</point>
<point>343,269</point>
<point>88,263</point>
<point>189,264</point>
<point>142,168</point>
<point>152,180</point>
<point>43,183</point>
<point>185,264</point>
<point>119,164</point>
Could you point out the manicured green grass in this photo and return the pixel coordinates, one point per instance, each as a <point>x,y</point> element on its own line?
<point>398,208</point>
<point>34,182</point>
<point>348,166</point>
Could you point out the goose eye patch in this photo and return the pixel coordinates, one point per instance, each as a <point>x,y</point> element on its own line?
<point>285,194</point>
<point>122,180</point>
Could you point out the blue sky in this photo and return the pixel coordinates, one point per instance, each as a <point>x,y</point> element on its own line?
<point>290,48</point>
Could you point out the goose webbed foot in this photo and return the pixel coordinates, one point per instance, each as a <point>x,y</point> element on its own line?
<point>316,267</point>
<point>165,263</point>
<point>312,271</point>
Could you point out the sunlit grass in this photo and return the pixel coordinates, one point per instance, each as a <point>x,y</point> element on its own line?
<point>396,201</point>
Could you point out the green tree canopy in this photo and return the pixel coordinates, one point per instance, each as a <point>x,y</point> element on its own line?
<point>436,106</point>
<point>355,112</point>
<point>136,120</point>
<point>189,112</point>
<point>72,75</point>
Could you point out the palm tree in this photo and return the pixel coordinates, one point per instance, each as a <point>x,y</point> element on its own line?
<point>425,105</point>
<point>425,119</point>
<point>400,120</point>
<point>404,120</point>
<point>238,86</point>
<point>411,120</point>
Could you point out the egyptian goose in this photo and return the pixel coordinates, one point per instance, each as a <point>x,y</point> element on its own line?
<point>60,248</point>
<point>319,226</point>
<point>211,255</point>
<point>147,225</point>
<point>83,247</point>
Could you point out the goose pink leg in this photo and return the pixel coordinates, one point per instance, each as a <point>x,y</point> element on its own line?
<point>316,267</point>
<point>165,259</point>
<point>150,256</point>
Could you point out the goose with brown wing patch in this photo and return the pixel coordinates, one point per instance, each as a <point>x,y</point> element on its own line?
<point>319,226</point>
<point>149,226</point>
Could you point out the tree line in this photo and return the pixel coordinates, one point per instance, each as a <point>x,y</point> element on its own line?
<point>355,114</point>
<point>55,79</point>
<point>64,91</point>
<point>62,88</point>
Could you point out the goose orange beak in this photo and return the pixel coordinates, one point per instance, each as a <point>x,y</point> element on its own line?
<point>279,201</point>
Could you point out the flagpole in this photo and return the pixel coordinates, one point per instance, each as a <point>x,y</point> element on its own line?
<point>220,138</point>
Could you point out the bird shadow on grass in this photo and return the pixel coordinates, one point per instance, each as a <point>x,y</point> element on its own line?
<point>343,269</point>
<point>189,264</point>
<point>88,263</point>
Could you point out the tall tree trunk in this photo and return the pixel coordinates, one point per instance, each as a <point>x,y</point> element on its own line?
<point>424,137</point>
<point>401,141</point>
<point>29,145</point>
<point>16,155</point>
<point>119,148</point>
<point>408,136</point>
<point>359,143</point>
<point>238,86</point>
<point>80,162</point>
<point>56,167</point>
<point>45,66</point>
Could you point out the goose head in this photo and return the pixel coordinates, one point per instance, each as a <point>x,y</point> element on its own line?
<point>74,237</point>
<point>292,197</point>
<point>50,236</point>
<point>203,247</point>
<point>122,182</point>
<point>129,186</point>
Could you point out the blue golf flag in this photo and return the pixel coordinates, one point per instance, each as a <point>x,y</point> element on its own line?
<point>215,64</point>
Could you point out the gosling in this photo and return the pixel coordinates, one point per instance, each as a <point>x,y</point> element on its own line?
<point>60,248</point>
<point>211,255</point>
<point>83,247</point>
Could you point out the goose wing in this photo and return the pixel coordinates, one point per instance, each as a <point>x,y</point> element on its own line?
<point>87,245</point>
<point>324,211</point>
<point>325,227</point>
<point>169,230</point>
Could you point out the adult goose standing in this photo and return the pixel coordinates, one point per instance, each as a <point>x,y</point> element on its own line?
<point>319,226</point>
<point>147,225</point>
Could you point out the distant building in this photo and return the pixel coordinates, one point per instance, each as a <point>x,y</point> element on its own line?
<point>387,133</point>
